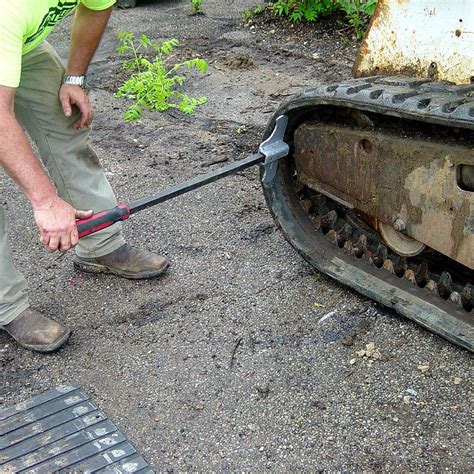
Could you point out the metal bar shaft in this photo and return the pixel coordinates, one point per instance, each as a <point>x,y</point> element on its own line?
<point>195,183</point>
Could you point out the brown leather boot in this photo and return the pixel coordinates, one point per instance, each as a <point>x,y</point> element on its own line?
<point>36,332</point>
<point>127,262</point>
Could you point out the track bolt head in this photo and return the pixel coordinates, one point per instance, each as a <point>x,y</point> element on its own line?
<point>399,225</point>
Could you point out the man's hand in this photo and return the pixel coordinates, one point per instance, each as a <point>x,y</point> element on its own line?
<point>56,221</point>
<point>55,218</point>
<point>71,95</point>
<point>87,29</point>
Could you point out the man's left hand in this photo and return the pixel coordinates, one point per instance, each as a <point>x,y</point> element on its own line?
<point>71,95</point>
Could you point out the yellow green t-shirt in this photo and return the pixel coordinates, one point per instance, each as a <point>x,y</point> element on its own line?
<point>26,23</point>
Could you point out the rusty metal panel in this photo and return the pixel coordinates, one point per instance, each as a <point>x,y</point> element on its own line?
<point>61,430</point>
<point>421,38</point>
<point>392,177</point>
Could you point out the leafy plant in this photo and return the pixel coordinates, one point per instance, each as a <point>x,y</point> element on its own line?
<point>197,7</point>
<point>309,10</point>
<point>250,13</point>
<point>357,12</point>
<point>155,84</point>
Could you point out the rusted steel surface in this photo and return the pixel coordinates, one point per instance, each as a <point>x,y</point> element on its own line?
<point>393,178</point>
<point>420,38</point>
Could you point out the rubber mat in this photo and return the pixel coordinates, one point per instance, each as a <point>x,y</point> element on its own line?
<point>61,430</point>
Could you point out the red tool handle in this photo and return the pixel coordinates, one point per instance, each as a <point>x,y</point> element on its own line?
<point>103,219</point>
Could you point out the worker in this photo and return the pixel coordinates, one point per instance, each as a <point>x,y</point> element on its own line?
<point>50,102</point>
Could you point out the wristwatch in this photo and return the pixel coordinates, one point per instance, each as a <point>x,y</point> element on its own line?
<point>76,81</point>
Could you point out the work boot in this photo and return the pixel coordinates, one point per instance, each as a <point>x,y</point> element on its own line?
<point>127,262</point>
<point>36,332</point>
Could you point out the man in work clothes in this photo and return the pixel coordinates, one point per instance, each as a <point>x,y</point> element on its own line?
<point>49,102</point>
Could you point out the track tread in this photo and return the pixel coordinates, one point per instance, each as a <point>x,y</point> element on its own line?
<point>413,290</point>
<point>440,102</point>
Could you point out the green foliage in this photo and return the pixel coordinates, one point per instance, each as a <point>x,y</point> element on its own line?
<point>155,84</point>
<point>250,13</point>
<point>197,7</point>
<point>357,12</point>
<point>309,10</point>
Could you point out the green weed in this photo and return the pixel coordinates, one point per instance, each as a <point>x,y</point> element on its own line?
<point>250,13</point>
<point>309,10</point>
<point>197,7</point>
<point>357,12</point>
<point>155,84</point>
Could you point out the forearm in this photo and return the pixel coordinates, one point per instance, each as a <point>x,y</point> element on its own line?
<point>19,161</point>
<point>56,219</point>
<point>87,30</point>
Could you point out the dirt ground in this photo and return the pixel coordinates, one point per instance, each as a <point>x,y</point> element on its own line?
<point>235,360</point>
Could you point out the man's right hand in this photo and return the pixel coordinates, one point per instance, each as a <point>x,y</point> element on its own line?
<point>55,218</point>
<point>56,221</point>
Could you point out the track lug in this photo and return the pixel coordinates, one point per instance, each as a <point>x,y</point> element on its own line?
<point>423,275</point>
<point>467,297</point>
<point>316,222</point>
<point>455,298</point>
<point>332,236</point>
<point>388,265</point>
<point>344,234</point>
<point>410,276</point>
<point>319,202</point>
<point>328,221</point>
<point>380,255</point>
<point>445,285</point>
<point>400,266</point>
<point>432,286</point>
<point>348,247</point>
<point>361,246</point>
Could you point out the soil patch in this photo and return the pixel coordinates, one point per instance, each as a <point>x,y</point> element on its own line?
<point>240,61</point>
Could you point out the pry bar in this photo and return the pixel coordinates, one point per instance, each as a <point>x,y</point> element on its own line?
<point>270,151</point>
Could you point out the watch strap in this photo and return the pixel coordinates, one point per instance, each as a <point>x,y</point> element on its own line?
<point>75,80</point>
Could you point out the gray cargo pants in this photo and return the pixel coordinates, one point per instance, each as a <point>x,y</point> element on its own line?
<point>71,163</point>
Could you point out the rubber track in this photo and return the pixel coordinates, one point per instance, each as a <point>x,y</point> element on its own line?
<point>417,99</point>
<point>442,103</point>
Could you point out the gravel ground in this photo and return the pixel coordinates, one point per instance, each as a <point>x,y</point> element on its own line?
<point>240,358</point>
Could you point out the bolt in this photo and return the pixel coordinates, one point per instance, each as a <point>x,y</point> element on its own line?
<point>399,225</point>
